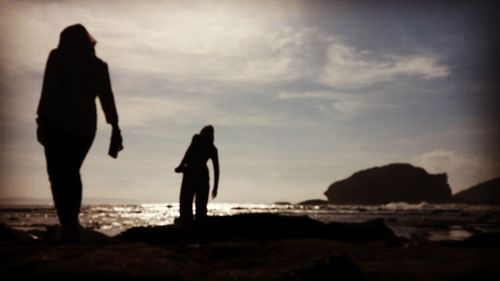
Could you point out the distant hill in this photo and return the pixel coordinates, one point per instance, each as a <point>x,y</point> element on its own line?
<point>484,193</point>
<point>398,182</point>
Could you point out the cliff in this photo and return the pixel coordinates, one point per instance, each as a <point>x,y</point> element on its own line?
<point>484,193</point>
<point>390,183</point>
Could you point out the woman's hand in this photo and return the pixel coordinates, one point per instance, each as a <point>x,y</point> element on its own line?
<point>214,193</point>
<point>179,169</point>
<point>116,143</point>
<point>41,134</point>
<point>41,131</point>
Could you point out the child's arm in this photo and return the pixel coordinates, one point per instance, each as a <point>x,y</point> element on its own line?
<point>215,162</point>
<point>182,165</point>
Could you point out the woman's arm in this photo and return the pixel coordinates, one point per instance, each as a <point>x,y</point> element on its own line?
<point>108,105</point>
<point>215,162</point>
<point>49,91</point>
<point>182,165</point>
<point>106,97</point>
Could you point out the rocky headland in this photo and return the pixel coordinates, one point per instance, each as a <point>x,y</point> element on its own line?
<point>390,183</point>
<point>484,193</point>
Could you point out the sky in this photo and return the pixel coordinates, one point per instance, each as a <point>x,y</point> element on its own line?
<point>301,93</point>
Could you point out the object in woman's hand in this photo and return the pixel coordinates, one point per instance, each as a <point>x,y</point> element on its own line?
<point>116,144</point>
<point>41,133</point>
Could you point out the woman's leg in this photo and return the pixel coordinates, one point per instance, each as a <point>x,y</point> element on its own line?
<point>65,154</point>
<point>81,148</point>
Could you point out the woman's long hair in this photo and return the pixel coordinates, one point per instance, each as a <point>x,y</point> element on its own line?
<point>76,40</point>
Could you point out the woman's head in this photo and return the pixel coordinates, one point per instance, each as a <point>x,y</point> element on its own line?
<point>76,39</point>
<point>207,133</point>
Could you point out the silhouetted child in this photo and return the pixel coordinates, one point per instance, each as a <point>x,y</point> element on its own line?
<point>67,119</point>
<point>195,182</point>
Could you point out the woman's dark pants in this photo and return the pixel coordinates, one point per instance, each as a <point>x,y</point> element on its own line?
<point>65,153</point>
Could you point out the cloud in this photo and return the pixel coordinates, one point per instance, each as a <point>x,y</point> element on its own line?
<point>141,111</point>
<point>345,103</point>
<point>463,171</point>
<point>191,41</point>
<point>151,48</point>
<point>348,67</point>
<point>355,78</point>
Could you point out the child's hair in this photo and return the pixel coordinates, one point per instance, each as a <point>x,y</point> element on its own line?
<point>207,133</point>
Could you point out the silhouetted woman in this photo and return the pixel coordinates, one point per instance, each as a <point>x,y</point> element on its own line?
<point>67,119</point>
<point>195,182</point>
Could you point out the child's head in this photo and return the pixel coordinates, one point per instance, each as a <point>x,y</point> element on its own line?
<point>207,133</point>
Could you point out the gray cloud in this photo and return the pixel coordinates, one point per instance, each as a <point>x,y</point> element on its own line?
<point>348,67</point>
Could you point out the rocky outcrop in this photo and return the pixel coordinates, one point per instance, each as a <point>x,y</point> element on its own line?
<point>313,202</point>
<point>390,183</point>
<point>52,234</point>
<point>334,267</point>
<point>483,193</point>
<point>261,227</point>
<point>8,234</point>
<point>479,240</point>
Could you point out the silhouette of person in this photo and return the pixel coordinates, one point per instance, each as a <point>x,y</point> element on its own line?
<point>195,181</point>
<point>67,119</point>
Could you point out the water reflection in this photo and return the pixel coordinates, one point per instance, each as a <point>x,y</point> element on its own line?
<point>450,221</point>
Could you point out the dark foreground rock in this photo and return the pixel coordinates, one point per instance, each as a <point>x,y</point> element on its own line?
<point>390,183</point>
<point>241,259</point>
<point>485,274</point>
<point>261,227</point>
<point>478,240</point>
<point>369,231</point>
<point>484,193</point>
<point>8,234</point>
<point>333,267</point>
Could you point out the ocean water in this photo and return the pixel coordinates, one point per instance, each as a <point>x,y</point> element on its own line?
<point>416,221</point>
